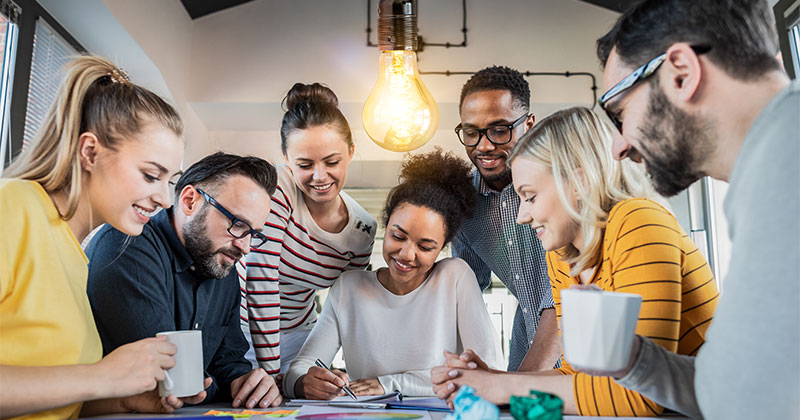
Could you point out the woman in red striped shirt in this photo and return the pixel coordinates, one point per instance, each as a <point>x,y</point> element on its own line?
<point>315,230</point>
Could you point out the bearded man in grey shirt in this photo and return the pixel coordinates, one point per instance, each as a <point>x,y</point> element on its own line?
<point>695,90</point>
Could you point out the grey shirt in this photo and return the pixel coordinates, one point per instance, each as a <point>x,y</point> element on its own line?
<point>749,367</point>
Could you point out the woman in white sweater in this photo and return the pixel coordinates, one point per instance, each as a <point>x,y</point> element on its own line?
<point>394,323</point>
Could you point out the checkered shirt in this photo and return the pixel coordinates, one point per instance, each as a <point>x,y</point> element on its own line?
<point>492,241</point>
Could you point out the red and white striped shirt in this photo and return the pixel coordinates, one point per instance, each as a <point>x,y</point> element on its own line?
<point>279,280</point>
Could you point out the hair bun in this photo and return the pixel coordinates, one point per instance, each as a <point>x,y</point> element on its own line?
<point>315,92</point>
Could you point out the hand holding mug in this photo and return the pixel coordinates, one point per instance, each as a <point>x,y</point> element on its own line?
<point>185,378</point>
<point>135,367</point>
<point>598,328</point>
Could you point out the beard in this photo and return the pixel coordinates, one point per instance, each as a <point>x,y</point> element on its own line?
<point>672,144</point>
<point>201,249</point>
<point>503,178</point>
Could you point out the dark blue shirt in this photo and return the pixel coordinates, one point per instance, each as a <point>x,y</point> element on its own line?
<point>141,285</point>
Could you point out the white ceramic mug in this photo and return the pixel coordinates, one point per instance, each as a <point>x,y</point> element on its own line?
<point>186,377</point>
<point>598,327</point>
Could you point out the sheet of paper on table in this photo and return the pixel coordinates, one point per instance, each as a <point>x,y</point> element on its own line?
<point>349,402</point>
<point>313,412</point>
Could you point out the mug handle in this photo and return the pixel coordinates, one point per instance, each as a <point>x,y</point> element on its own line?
<point>168,383</point>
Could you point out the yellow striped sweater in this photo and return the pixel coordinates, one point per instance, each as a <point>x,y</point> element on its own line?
<point>645,252</point>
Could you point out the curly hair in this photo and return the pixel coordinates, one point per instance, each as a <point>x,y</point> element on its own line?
<point>499,78</point>
<point>439,181</point>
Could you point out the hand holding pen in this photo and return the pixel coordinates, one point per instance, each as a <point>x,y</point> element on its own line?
<point>345,387</point>
<point>322,383</point>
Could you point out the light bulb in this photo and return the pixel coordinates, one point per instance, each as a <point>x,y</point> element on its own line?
<point>400,113</point>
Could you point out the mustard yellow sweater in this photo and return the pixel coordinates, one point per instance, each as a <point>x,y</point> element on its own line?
<point>645,252</point>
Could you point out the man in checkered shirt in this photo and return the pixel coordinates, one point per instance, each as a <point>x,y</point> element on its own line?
<point>494,110</point>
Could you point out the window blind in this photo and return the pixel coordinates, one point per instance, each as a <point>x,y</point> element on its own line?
<point>50,53</point>
<point>9,13</point>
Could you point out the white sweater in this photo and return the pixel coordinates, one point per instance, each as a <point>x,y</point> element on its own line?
<point>398,339</point>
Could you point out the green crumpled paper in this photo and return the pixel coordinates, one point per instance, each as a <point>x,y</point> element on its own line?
<point>536,406</point>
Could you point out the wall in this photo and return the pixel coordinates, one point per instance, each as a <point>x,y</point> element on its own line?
<point>246,58</point>
<point>150,40</point>
<point>228,72</point>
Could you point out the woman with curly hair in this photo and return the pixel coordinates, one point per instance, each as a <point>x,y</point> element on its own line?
<point>428,305</point>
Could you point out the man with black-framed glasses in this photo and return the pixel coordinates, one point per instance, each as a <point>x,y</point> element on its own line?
<point>695,89</point>
<point>178,275</point>
<point>494,109</point>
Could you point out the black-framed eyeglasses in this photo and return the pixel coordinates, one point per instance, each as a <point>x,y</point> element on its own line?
<point>632,79</point>
<point>238,227</point>
<point>497,134</point>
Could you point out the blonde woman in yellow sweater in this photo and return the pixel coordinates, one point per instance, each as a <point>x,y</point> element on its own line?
<point>595,219</point>
<point>105,153</point>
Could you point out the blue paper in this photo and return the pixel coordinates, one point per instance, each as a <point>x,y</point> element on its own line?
<point>468,406</point>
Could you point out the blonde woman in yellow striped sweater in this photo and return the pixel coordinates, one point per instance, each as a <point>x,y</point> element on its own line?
<point>595,219</point>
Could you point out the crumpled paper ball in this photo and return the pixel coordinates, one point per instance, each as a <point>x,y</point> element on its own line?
<point>537,406</point>
<point>468,406</point>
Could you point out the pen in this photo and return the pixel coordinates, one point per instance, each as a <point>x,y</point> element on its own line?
<point>345,388</point>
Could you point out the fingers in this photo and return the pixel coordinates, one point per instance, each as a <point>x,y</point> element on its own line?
<point>367,386</point>
<point>471,359</point>
<point>171,403</point>
<point>236,385</point>
<point>442,374</point>
<point>272,398</point>
<point>321,384</point>
<point>454,360</point>
<point>327,376</point>
<point>445,390</point>
<point>200,396</point>
<point>166,362</point>
<point>585,287</point>
<point>161,345</point>
<point>195,399</point>
<point>245,392</point>
<point>450,399</point>
<point>258,393</point>
<point>266,393</point>
<point>344,376</point>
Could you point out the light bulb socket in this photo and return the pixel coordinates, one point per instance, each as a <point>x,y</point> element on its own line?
<point>397,25</point>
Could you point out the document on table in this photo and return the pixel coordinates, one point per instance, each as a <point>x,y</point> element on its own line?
<point>367,401</point>
<point>431,404</point>
<point>309,412</point>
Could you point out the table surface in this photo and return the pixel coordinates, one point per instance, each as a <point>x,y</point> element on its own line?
<point>200,410</point>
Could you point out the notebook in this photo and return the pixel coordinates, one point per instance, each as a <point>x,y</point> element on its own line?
<point>429,404</point>
<point>367,401</point>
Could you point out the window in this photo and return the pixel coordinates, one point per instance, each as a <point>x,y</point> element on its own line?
<point>42,47</point>
<point>50,53</point>
<point>787,19</point>
<point>794,44</point>
<point>8,48</point>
